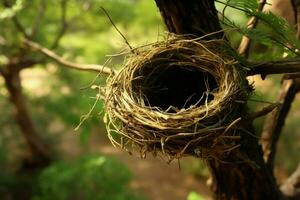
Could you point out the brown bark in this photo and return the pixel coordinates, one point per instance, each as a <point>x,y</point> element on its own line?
<point>242,175</point>
<point>276,119</point>
<point>190,17</point>
<point>275,67</point>
<point>39,154</point>
<point>291,187</point>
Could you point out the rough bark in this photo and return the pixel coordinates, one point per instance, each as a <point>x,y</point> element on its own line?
<point>39,154</point>
<point>242,175</point>
<point>190,17</point>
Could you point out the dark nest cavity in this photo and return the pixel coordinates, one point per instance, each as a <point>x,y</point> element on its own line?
<point>174,87</point>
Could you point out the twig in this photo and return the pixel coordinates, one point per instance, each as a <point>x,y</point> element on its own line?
<point>245,42</point>
<point>111,21</point>
<point>72,65</point>
<point>291,187</point>
<point>223,10</point>
<point>275,121</point>
<point>63,6</point>
<point>264,111</point>
<point>275,67</point>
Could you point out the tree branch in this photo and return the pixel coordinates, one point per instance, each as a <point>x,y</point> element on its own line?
<point>245,42</point>
<point>263,112</point>
<point>291,187</point>
<point>275,121</point>
<point>275,67</point>
<point>39,151</point>
<point>71,65</point>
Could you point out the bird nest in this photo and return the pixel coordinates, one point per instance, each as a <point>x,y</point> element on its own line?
<point>175,98</point>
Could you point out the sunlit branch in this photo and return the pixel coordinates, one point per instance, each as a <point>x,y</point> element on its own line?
<point>291,187</point>
<point>71,65</point>
<point>245,42</point>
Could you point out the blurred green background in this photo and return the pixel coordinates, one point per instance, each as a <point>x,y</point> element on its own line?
<point>86,166</point>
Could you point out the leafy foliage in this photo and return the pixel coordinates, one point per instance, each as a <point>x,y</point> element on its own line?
<point>6,13</point>
<point>275,30</point>
<point>92,177</point>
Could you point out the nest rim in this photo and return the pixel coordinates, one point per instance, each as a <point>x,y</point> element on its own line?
<point>199,130</point>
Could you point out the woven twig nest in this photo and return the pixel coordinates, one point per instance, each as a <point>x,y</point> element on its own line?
<point>177,97</point>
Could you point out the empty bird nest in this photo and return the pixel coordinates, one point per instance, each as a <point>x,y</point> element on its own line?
<point>175,98</point>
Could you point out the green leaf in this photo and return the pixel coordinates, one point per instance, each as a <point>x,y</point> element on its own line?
<point>11,12</point>
<point>194,196</point>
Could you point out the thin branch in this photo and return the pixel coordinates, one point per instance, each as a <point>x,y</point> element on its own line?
<point>111,21</point>
<point>71,65</point>
<point>291,187</point>
<point>275,67</point>
<point>245,42</point>
<point>264,111</point>
<point>63,6</point>
<point>276,120</point>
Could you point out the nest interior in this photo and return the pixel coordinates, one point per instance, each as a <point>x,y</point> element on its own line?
<point>180,87</point>
<point>177,97</point>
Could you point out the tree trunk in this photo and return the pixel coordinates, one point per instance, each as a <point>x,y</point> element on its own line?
<point>39,154</point>
<point>242,175</point>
